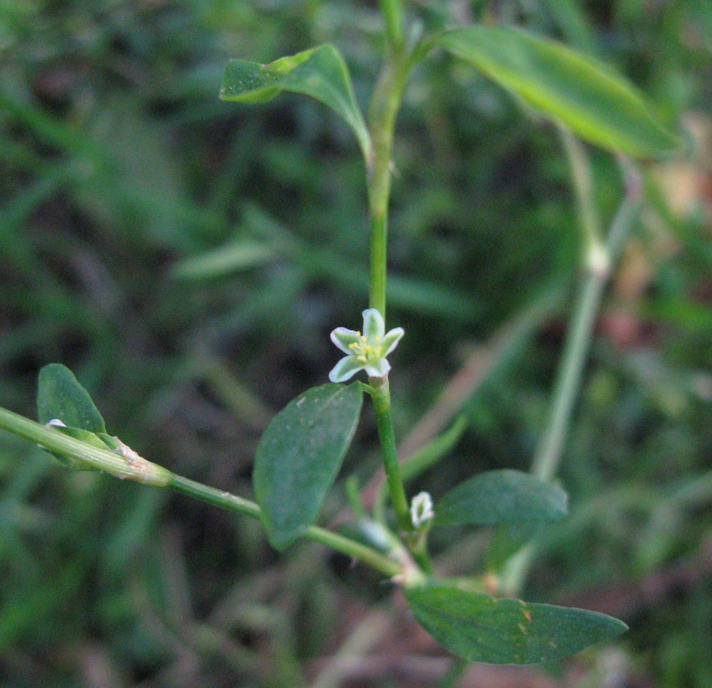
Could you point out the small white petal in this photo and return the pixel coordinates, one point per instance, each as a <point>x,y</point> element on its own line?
<point>377,368</point>
<point>390,341</point>
<point>343,337</point>
<point>345,369</point>
<point>373,325</point>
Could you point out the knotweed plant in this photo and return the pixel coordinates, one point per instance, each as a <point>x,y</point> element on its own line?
<point>301,452</point>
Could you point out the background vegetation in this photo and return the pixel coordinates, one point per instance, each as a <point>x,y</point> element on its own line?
<point>187,259</point>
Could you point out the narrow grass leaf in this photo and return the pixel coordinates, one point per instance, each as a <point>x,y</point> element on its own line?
<point>503,496</point>
<point>299,457</point>
<point>480,628</point>
<point>227,260</point>
<point>598,104</point>
<point>320,72</point>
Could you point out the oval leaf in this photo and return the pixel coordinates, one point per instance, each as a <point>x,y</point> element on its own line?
<point>60,396</point>
<point>501,497</point>
<point>599,105</point>
<point>320,72</point>
<point>480,628</point>
<point>299,456</point>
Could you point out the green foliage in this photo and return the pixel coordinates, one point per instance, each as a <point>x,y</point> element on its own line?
<point>320,73</point>
<point>299,456</point>
<point>119,165</point>
<point>594,101</point>
<point>226,260</point>
<point>61,397</point>
<point>480,628</point>
<point>503,496</point>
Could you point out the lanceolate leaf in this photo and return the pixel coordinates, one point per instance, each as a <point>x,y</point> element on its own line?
<point>480,628</point>
<point>299,457</point>
<point>599,105</point>
<point>501,497</point>
<point>60,396</point>
<point>320,72</point>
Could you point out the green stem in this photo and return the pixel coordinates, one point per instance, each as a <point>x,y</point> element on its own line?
<point>418,545</point>
<point>385,103</point>
<point>583,186</point>
<point>392,11</point>
<point>138,469</point>
<point>599,260</point>
<point>578,339</point>
<point>421,460</point>
<point>568,382</point>
<point>381,397</point>
<point>377,282</point>
<point>210,495</point>
<point>131,467</point>
<point>334,541</point>
<point>383,109</point>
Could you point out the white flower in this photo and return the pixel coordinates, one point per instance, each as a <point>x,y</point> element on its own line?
<point>421,509</point>
<point>365,351</point>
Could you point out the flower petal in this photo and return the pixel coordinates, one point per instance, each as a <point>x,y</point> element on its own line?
<point>373,325</point>
<point>390,341</point>
<point>378,368</point>
<point>346,368</point>
<point>343,337</point>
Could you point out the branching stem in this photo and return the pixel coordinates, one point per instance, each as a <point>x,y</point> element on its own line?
<point>152,474</point>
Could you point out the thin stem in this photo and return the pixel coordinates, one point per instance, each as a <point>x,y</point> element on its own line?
<point>377,281</point>
<point>385,103</point>
<point>138,469</point>
<point>210,495</point>
<point>124,466</point>
<point>418,546</point>
<point>583,186</point>
<point>599,260</point>
<point>623,221</point>
<point>568,382</point>
<point>334,541</point>
<point>382,404</point>
<point>392,11</point>
<point>384,106</point>
<point>421,460</point>
<point>578,339</point>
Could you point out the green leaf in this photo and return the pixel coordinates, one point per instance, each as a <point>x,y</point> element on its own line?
<point>60,396</point>
<point>227,260</point>
<point>480,628</point>
<point>599,105</point>
<point>505,540</point>
<point>320,72</point>
<point>299,456</point>
<point>503,496</point>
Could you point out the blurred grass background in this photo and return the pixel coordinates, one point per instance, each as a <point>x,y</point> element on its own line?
<point>187,258</point>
